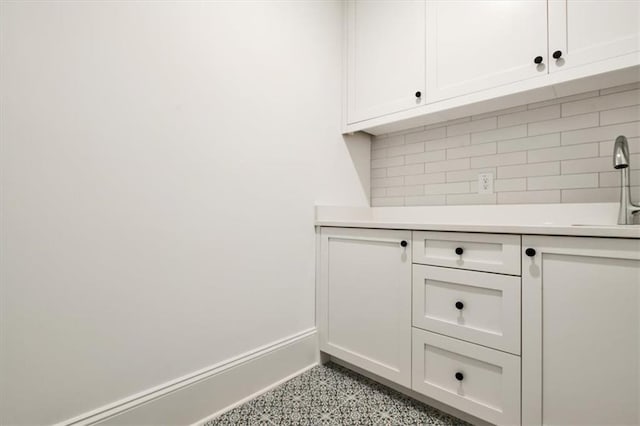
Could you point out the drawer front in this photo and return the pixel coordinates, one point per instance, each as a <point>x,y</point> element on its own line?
<point>480,252</point>
<point>474,306</point>
<point>480,381</point>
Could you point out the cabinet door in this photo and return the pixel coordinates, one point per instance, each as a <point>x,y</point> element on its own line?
<point>591,31</point>
<point>365,299</point>
<point>385,57</point>
<point>581,331</point>
<point>476,44</point>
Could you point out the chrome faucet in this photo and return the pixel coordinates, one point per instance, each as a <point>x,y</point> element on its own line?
<point>629,212</point>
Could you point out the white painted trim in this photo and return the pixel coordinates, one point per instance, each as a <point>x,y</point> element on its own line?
<point>131,402</point>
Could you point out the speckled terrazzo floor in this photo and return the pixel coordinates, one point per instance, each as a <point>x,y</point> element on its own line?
<point>333,395</point>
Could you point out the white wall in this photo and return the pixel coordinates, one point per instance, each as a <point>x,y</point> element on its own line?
<point>160,162</point>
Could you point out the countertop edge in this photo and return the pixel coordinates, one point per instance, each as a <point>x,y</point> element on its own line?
<point>612,231</point>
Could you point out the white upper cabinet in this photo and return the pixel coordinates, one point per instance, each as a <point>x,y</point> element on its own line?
<point>385,57</point>
<point>476,45</point>
<point>582,32</point>
<point>472,56</point>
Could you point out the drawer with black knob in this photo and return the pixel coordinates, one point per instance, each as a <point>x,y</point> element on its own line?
<point>480,381</point>
<point>499,253</point>
<point>473,306</point>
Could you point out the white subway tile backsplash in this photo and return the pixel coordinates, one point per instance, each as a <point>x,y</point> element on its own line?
<point>620,115</point>
<point>443,166</point>
<point>472,151</point>
<point>463,199</point>
<point>378,192</point>
<point>499,160</point>
<point>546,152</point>
<point>378,173</point>
<point>499,112</point>
<point>623,88</point>
<point>468,175</point>
<point>396,191</point>
<point>499,134</point>
<point>525,170</point>
<point>599,103</point>
<point>388,141</point>
<point>387,201</point>
<point>606,147</point>
<point>472,126</point>
<point>597,195</point>
<point>378,153</point>
<point>564,153</point>
<point>412,169</point>
<point>387,162</point>
<point>528,197</point>
<point>599,134</point>
<point>452,142</point>
<point>425,157</point>
<point>562,124</point>
<point>424,179</point>
<point>516,184</point>
<point>564,99</point>
<point>613,178</point>
<point>447,188</point>
<point>426,135</point>
<point>587,180</point>
<point>426,200</point>
<point>526,144</point>
<point>592,195</point>
<point>384,182</point>
<point>412,148</point>
<point>585,165</point>
<point>529,116</point>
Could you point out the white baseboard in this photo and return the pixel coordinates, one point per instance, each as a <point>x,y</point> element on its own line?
<point>211,391</point>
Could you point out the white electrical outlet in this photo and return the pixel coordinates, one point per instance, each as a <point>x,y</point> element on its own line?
<point>485,183</point>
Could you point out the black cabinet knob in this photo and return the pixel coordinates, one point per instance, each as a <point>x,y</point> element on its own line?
<point>418,94</point>
<point>459,305</point>
<point>538,59</point>
<point>403,243</point>
<point>557,54</point>
<point>459,376</point>
<point>459,250</point>
<point>530,252</point>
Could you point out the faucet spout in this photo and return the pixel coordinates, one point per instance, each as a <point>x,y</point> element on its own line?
<point>629,212</point>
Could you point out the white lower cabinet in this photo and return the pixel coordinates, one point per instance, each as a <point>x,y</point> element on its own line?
<point>478,380</point>
<point>580,331</point>
<point>559,345</point>
<point>365,299</point>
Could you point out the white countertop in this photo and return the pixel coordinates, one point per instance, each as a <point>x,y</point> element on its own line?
<point>585,220</point>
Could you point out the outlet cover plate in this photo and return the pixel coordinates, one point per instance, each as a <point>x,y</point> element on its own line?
<point>485,183</point>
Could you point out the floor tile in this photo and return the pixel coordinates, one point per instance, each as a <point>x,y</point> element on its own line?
<point>333,395</point>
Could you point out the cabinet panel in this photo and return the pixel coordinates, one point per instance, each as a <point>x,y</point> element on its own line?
<point>481,381</point>
<point>592,31</point>
<point>365,299</point>
<point>476,44</point>
<point>581,331</point>
<point>385,57</point>
<point>473,306</point>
